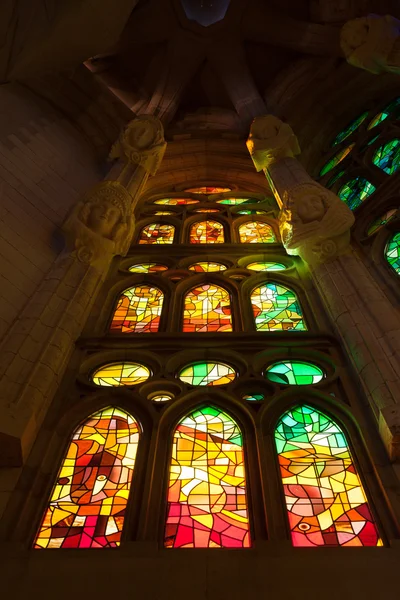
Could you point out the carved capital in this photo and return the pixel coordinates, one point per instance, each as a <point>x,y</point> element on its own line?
<point>270,140</point>
<point>372,43</point>
<point>142,143</point>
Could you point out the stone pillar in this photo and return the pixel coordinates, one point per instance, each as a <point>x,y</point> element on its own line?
<point>315,225</point>
<point>36,350</point>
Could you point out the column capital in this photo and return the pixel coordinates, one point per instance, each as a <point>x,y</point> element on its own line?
<point>270,140</point>
<point>141,143</point>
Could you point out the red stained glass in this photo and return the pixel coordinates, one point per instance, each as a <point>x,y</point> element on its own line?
<point>207,308</point>
<point>138,310</point>
<point>157,233</point>
<point>207,232</point>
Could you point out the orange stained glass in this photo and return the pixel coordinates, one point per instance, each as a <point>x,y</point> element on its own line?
<point>206,210</point>
<point>256,232</point>
<point>157,233</point>
<point>207,504</point>
<point>207,267</point>
<point>207,309</point>
<point>207,232</point>
<point>176,201</point>
<point>138,310</point>
<point>208,190</point>
<point>87,505</point>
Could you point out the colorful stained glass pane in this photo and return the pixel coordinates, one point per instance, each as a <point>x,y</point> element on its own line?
<point>392,252</point>
<point>207,267</point>
<point>207,505</point>
<point>276,308</point>
<point>176,201</point>
<point>138,310</point>
<point>147,268</point>
<point>207,309</point>
<point>335,160</point>
<point>334,179</point>
<point>266,266</point>
<point>250,211</point>
<point>208,190</point>
<point>207,373</point>
<point>237,201</point>
<point>355,191</point>
<point>157,233</point>
<point>207,210</point>
<point>256,232</point>
<point>163,213</point>
<point>120,374</point>
<point>387,157</point>
<point>325,500</point>
<point>88,501</point>
<point>254,397</point>
<point>381,116</point>
<point>347,131</point>
<point>162,398</point>
<point>381,221</point>
<point>207,232</point>
<point>292,372</point>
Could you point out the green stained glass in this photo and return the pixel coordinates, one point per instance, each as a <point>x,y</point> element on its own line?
<point>387,157</point>
<point>347,131</point>
<point>266,266</point>
<point>381,116</point>
<point>176,201</point>
<point>254,397</point>
<point>335,178</point>
<point>250,212</point>
<point>294,373</point>
<point>335,160</point>
<point>237,201</point>
<point>355,191</point>
<point>161,398</point>
<point>392,252</point>
<point>381,221</point>
<point>147,268</point>
<point>276,308</point>
<point>207,373</point>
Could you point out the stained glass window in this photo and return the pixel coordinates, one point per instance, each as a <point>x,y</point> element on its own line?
<point>88,501</point>
<point>207,210</point>
<point>266,266</point>
<point>207,232</point>
<point>120,374</point>
<point>162,397</point>
<point>207,505</point>
<point>254,397</point>
<point>355,191</point>
<point>335,178</point>
<point>325,499</point>
<point>291,372</point>
<point>350,128</point>
<point>384,113</point>
<point>335,160</point>
<point>392,252</point>
<point>138,310</point>
<point>381,221</point>
<point>176,201</point>
<point>208,190</point>
<point>207,308</point>
<point>207,267</point>
<point>157,233</point>
<point>256,232</point>
<point>276,308</point>
<point>207,373</point>
<point>237,201</point>
<point>147,268</point>
<point>250,211</point>
<point>387,157</point>
<point>162,213</point>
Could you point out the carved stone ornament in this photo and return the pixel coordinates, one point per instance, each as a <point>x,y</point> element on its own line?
<point>270,140</point>
<point>314,223</point>
<point>372,43</point>
<point>142,143</point>
<point>101,225</point>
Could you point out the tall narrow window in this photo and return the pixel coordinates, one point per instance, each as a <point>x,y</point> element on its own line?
<point>325,499</point>
<point>207,308</point>
<point>392,252</point>
<point>157,233</point>
<point>138,310</point>
<point>276,308</point>
<point>88,501</point>
<point>207,232</point>
<point>207,505</point>
<point>256,232</point>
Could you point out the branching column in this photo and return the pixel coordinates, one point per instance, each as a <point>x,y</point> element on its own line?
<point>36,351</point>
<point>315,225</point>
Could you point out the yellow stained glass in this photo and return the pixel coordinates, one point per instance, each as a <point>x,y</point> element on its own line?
<point>256,232</point>
<point>120,374</point>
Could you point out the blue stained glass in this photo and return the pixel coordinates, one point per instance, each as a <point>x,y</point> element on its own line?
<point>387,157</point>
<point>355,191</point>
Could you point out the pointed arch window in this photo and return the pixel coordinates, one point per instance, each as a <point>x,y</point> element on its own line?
<point>207,232</point>
<point>256,232</point>
<point>392,252</point>
<point>207,309</point>
<point>88,501</point>
<point>207,505</point>
<point>276,308</point>
<point>325,499</point>
<point>157,233</point>
<point>138,310</point>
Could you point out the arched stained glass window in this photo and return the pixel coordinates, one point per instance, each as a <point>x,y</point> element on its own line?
<point>207,308</point>
<point>207,504</point>
<point>207,267</point>
<point>335,160</point>
<point>381,116</point>
<point>347,131</point>
<point>207,373</point>
<point>266,266</point>
<point>256,232</point>
<point>392,252</point>
<point>120,374</point>
<point>325,500</point>
<point>294,372</point>
<point>355,191</point>
<point>276,308</point>
<point>237,201</point>
<point>207,232</point>
<point>208,190</point>
<point>148,268</point>
<point>176,201</point>
<point>157,233</point>
<point>88,501</point>
<point>381,221</point>
<point>387,157</point>
<point>138,310</point>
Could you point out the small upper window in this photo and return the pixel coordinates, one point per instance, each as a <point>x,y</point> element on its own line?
<point>347,131</point>
<point>392,252</point>
<point>335,160</point>
<point>256,232</point>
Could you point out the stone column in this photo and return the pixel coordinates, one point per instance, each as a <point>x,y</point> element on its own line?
<point>37,349</point>
<point>315,225</point>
